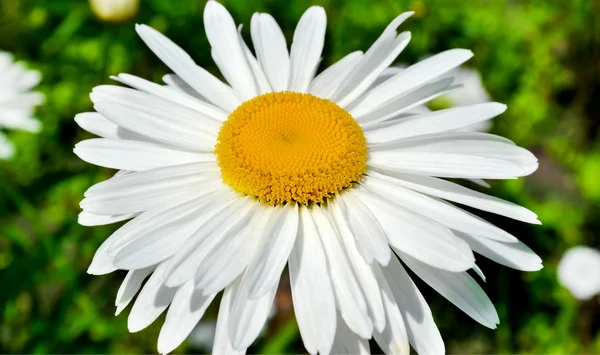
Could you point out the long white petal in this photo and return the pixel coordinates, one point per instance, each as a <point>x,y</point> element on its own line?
<point>443,213</point>
<point>274,249</point>
<point>381,54</point>
<point>226,217</point>
<point>417,235</point>
<point>134,155</point>
<point>413,77</point>
<point>130,286</point>
<point>447,165</point>
<point>88,219</point>
<point>168,236</point>
<point>394,338</point>
<point>328,80</point>
<point>515,255</point>
<point>459,288</point>
<point>414,100</point>
<point>271,50</point>
<point>185,312</point>
<point>371,240</point>
<point>182,64</point>
<point>434,122</point>
<point>167,93</point>
<point>154,298</point>
<point>363,273</point>
<point>347,342</point>
<point>247,316</point>
<point>260,77</point>
<point>459,194</point>
<point>312,294</point>
<point>349,296</point>
<point>306,48</point>
<point>223,37</point>
<point>228,259</point>
<point>158,119</point>
<point>423,334</point>
<point>147,189</point>
<point>222,344</point>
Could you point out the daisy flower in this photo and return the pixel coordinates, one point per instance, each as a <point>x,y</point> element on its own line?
<point>17,101</point>
<point>331,175</point>
<point>579,272</point>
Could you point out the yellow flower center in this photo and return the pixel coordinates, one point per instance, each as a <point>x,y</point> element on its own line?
<point>288,147</point>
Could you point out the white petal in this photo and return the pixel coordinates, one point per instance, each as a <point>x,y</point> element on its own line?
<point>459,288</point>
<point>306,48</point>
<point>134,155</point>
<point>273,251</point>
<point>434,122</point>
<point>371,240</point>
<point>349,296</point>
<point>144,190</point>
<point>363,273</point>
<point>130,286</point>
<point>423,334</point>
<point>328,80</point>
<point>175,83</point>
<point>312,295</point>
<point>224,218</point>
<point>97,124</point>
<point>262,82</point>
<point>417,235</point>
<point>447,165</point>
<point>185,312</point>
<point>182,64</point>
<point>247,316</point>
<point>222,344</point>
<point>413,77</point>
<point>156,118</point>
<point>171,231</point>
<point>459,194</point>
<point>381,54</point>
<point>441,212</point>
<point>88,219</point>
<point>271,50</point>
<point>394,338</point>
<point>163,92</point>
<point>228,259</point>
<point>223,37</point>
<point>346,342</point>
<point>515,255</point>
<point>154,298</point>
<point>414,100</point>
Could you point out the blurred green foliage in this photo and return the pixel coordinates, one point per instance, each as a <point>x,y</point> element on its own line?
<point>542,58</point>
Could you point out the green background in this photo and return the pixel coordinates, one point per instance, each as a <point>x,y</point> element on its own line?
<point>541,58</point>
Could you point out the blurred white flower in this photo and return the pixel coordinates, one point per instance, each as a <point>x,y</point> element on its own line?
<point>115,10</point>
<point>579,271</point>
<point>17,101</point>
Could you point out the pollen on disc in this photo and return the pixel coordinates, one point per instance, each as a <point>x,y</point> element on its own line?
<point>289,147</point>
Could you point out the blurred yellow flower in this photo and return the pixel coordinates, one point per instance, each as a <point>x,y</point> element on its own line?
<point>115,10</point>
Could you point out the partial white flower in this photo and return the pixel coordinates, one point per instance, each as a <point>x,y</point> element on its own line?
<point>115,10</point>
<point>334,176</point>
<point>17,100</point>
<point>203,335</point>
<point>579,272</point>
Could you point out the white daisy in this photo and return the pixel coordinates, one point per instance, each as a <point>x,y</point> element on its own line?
<point>331,175</point>
<point>579,272</point>
<point>115,10</point>
<point>17,101</point>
